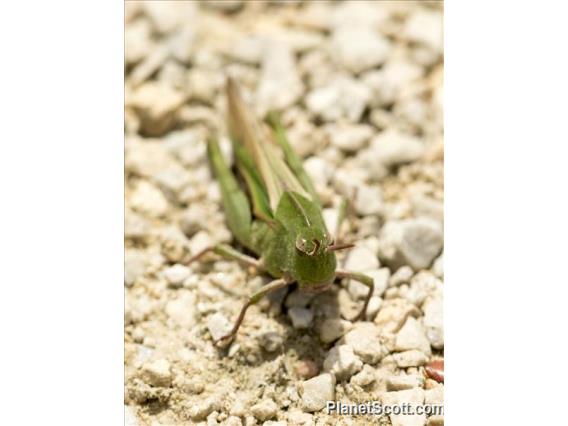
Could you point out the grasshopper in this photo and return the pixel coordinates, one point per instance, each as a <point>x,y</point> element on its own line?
<point>279,216</point>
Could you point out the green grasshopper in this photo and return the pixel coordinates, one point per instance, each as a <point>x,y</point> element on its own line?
<point>285,227</point>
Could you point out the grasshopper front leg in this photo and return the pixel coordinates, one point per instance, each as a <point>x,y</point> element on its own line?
<point>228,252</point>
<point>363,279</point>
<point>254,298</point>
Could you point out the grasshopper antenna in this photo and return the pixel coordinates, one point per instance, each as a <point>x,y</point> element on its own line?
<point>335,247</point>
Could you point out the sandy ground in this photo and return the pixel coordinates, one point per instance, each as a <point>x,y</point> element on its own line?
<point>359,86</point>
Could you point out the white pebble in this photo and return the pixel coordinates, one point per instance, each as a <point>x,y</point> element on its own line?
<point>181,310</point>
<point>414,397</point>
<point>349,137</point>
<point>369,200</point>
<point>148,199</point>
<point>301,317</point>
<point>317,391</point>
<point>218,325</point>
<point>359,48</point>
<point>412,336</point>
<point>415,242</point>
<point>433,321</point>
<point>365,341</point>
<point>157,373</point>
<point>364,377</point>
<point>177,274</point>
<point>265,409</point>
<point>332,329</point>
<point>405,381</point>
<point>393,148</point>
<point>342,362</point>
<point>411,358</point>
<point>360,258</point>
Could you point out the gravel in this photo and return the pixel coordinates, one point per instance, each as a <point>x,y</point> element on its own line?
<point>333,328</point>
<point>265,409</point>
<point>413,242</point>
<point>342,362</point>
<point>412,336</point>
<point>301,317</point>
<point>358,85</point>
<point>317,391</point>
<point>157,373</point>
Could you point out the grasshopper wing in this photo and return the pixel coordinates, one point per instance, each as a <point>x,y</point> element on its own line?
<point>260,158</point>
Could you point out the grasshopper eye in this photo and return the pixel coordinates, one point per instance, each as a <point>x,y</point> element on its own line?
<point>308,247</point>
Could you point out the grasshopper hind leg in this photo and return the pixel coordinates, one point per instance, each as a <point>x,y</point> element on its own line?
<point>235,203</point>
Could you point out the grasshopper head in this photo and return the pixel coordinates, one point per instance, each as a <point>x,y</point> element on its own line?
<point>314,265</point>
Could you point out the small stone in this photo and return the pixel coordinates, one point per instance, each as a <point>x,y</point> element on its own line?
<point>280,85</point>
<point>426,27</point>
<point>360,258</point>
<point>349,137</point>
<point>297,417</point>
<point>157,373</point>
<point>271,341</point>
<point>298,299</point>
<point>438,267</point>
<point>413,397</point>
<point>393,148</point>
<point>341,98</point>
<point>428,207</point>
<point>201,409</point>
<point>318,170</point>
<point>275,423</point>
<point>137,41</point>
<point>134,266</point>
<point>401,276</point>
<point>177,274</point>
<point>369,200</point>
<point>167,16</point>
<point>148,199</point>
<point>380,280</point>
<point>405,381</point>
<point>434,395</point>
<point>394,313</point>
<point>306,369</point>
<point>156,104</point>
<point>412,336</point>
<point>301,317</point>
<point>265,409</point>
<point>361,13</point>
<point>415,242</point>
<point>411,358</point>
<point>317,391</point>
<point>192,219</point>
<point>423,285</point>
<point>342,362</point>
<point>130,418</point>
<point>433,321</point>
<point>248,49</point>
<point>365,341</point>
<point>357,49</point>
<point>199,242</point>
<point>181,310</point>
<point>375,303</point>
<point>233,421</point>
<point>333,328</point>
<point>218,325</point>
<point>365,377</point>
